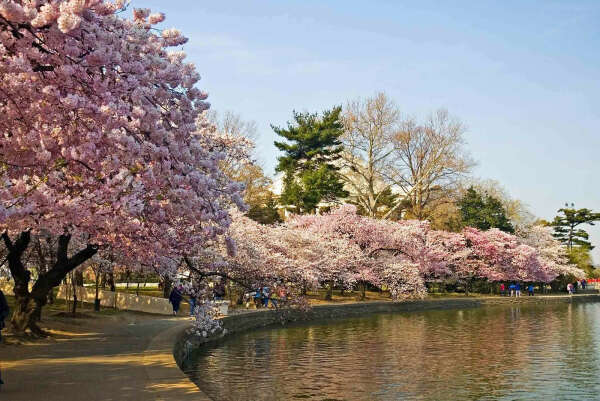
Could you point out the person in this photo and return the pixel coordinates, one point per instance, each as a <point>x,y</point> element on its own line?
<point>502,289</point>
<point>266,292</point>
<point>511,288</point>
<point>192,304</point>
<point>4,312</point>
<point>530,290</point>
<point>518,290</point>
<point>282,294</point>
<point>574,285</point>
<point>258,298</point>
<point>583,284</point>
<point>570,288</point>
<point>175,299</point>
<point>219,291</point>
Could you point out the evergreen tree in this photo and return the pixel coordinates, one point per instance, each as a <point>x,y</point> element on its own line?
<point>266,213</point>
<point>565,226</point>
<point>483,212</point>
<point>582,257</point>
<point>310,152</point>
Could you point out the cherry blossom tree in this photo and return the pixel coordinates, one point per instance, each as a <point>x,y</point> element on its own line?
<point>99,141</point>
<point>255,255</point>
<point>551,252</point>
<point>430,255</point>
<point>500,256</point>
<point>397,255</point>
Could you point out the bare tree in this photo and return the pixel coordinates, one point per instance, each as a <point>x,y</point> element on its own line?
<point>236,140</point>
<point>394,166</point>
<point>232,123</point>
<point>427,163</point>
<point>369,128</point>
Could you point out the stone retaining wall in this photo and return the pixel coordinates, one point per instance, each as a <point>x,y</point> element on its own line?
<point>119,300</point>
<point>187,342</point>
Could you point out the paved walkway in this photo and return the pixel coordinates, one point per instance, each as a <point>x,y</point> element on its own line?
<point>122,357</point>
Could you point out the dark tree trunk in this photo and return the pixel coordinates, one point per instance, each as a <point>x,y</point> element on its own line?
<point>30,303</point>
<point>78,278</point>
<point>166,287</point>
<point>51,297</point>
<point>111,281</point>
<point>74,285</point>
<point>363,291</point>
<point>96,298</point>
<point>329,293</point>
<point>467,284</point>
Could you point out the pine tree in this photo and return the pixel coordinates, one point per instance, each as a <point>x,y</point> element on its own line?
<point>265,213</point>
<point>565,226</point>
<point>483,212</point>
<point>310,152</point>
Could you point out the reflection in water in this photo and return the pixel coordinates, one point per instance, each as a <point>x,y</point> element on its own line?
<point>530,352</point>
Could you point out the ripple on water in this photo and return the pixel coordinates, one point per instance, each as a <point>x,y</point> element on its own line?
<point>527,352</point>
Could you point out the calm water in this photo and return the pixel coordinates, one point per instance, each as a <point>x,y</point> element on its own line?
<point>535,352</point>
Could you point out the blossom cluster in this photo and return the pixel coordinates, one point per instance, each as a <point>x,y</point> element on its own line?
<point>98,131</point>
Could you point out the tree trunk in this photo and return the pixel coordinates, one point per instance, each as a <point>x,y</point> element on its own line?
<point>97,298</point>
<point>30,303</point>
<point>51,297</point>
<point>74,284</point>
<point>78,277</point>
<point>166,287</point>
<point>37,314</point>
<point>24,315</point>
<point>329,293</point>
<point>363,293</point>
<point>111,281</point>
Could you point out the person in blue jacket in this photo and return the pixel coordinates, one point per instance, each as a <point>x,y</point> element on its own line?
<point>530,290</point>
<point>175,299</point>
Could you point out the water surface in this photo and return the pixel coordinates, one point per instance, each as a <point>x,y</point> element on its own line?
<point>527,352</point>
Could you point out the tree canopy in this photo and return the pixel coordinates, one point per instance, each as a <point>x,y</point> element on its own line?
<point>99,142</point>
<point>310,153</point>
<point>566,223</point>
<point>483,212</point>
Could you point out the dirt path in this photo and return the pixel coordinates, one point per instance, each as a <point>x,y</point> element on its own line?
<point>126,356</point>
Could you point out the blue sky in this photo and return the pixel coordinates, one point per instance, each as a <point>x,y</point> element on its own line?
<point>522,75</point>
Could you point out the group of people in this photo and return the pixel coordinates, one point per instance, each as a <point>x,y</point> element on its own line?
<point>262,295</point>
<point>514,290</point>
<point>176,297</point>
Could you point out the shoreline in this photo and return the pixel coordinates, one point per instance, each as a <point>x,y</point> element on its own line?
<point>186,343</point>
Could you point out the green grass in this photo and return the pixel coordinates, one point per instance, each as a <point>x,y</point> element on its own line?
<point>151,292</point>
